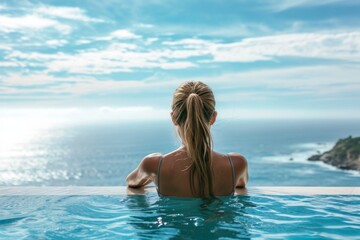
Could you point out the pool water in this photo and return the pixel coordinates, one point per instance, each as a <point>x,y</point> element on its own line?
<point>147,216</point>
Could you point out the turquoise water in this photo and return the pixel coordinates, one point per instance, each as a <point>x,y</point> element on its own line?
<point>148,217</point>
<point>94,154</point>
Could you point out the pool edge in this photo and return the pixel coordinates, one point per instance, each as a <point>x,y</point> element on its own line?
<point>123,190</point>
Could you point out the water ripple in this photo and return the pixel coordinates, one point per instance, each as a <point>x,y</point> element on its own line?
<point>114,217</point>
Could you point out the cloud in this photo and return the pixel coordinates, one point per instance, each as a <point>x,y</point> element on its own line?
<point>177,65</point>
<point>72,13</point>
<point>43,17</point>
<point>120,34</point>
<point>228,30</point>
<point>38,57</point>
<point>94,86</point>
<point>5,47</point>
<point>150,41</point>
<point>320,83</point>
<point>124,34</point>
<point>117,57</point>
<point>341,46</point>
<point>179,54</point>
<point>314,81</point>
<point>282,5</point>
<point>56,42</point>
<point>246,94</point>
<point>31,22</point>
<point>189,43</point>
<point>144,25</point>
<point>82,41</point>
<point>102,62</point>
<point>17,79</point>
<point>17,83</point>
<point>9,64</point>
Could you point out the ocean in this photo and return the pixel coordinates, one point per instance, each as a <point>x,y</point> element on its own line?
<point>104,153</point>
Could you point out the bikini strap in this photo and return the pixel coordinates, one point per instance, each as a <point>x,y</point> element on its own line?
<point>158,173</point>
<point>232,172</point>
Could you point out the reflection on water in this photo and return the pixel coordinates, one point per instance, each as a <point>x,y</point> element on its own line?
<point>26,152</point>
<point>179,218</point>
<point>16,140</point>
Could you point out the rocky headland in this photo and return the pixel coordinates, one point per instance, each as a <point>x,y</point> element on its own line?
<point>344,155</point>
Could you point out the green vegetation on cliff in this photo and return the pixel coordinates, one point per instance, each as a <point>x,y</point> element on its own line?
<point>345,154</point>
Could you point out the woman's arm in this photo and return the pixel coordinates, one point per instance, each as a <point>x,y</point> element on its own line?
<point>243,180</point>
<point>145,173</point>
<point>241,169</point>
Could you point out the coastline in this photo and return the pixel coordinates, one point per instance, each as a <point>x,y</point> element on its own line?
<point>345,154</point>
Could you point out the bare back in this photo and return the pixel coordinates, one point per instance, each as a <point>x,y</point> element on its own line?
<point>173,174</point>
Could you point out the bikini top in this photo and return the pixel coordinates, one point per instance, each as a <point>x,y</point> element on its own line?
<point>232,173</point>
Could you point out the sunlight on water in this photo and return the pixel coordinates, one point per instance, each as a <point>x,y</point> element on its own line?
<point>15,132</point>
<point>20,159</point>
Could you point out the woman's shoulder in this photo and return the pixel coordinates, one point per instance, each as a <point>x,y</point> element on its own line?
<point>153,155</point>
<point>239,160</point>
<point>150,162</point>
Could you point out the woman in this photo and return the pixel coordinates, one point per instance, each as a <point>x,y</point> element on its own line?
<point>194,169</point>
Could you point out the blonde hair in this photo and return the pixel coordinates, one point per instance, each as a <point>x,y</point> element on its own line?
<point>192,109</point>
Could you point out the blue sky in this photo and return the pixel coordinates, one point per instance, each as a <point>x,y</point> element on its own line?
<point>123,59</point>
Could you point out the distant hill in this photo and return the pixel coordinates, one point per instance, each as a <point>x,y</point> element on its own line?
<point>344,155</point>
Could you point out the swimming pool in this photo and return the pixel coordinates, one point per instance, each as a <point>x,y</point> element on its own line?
<point>114,213</point>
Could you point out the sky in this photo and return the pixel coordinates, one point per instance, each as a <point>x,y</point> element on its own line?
<point>124,59</point>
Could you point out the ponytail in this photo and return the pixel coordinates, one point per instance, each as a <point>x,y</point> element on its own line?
<point>198,143</point>
<point>192,109</point>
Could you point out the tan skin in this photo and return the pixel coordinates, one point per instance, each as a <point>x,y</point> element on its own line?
<point>174,177</point>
